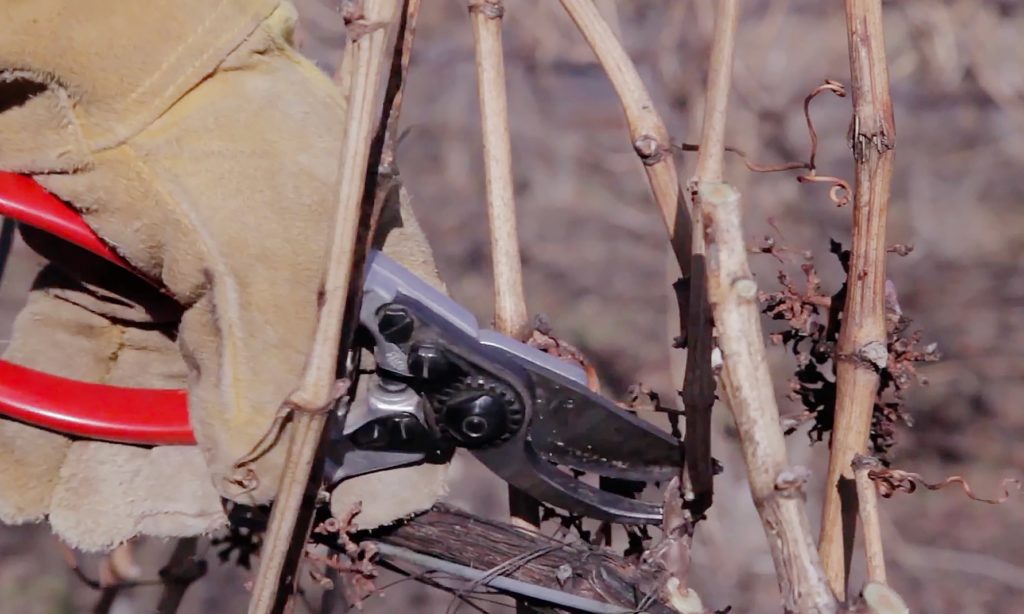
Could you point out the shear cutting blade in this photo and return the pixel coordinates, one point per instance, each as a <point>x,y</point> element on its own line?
<point>518,464</point>
<point>576,427</point>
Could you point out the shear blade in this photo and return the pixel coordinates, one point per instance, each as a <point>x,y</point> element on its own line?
<point>519,465</point>
<point>575,427</point>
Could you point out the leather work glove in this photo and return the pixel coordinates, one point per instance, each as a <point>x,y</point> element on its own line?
<point>204,149</point>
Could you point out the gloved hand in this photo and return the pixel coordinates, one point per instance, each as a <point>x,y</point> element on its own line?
<point>198,143</point>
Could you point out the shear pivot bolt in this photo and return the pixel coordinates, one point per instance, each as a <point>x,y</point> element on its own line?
<point>395,323</point>
<point>479,411</point>
<point>477,419</point>
<point>474,426</point>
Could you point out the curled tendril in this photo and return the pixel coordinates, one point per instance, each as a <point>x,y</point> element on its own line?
<point>889,481</point>
<point>828,86</point>
<point>839,192</point>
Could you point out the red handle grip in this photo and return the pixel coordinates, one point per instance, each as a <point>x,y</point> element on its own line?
<point>23,199</point>
<point>94,411</point>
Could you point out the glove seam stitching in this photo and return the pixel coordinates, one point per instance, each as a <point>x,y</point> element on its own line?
<point>242,34</point>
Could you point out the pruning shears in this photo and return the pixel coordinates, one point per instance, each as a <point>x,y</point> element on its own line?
<point>440,382</point>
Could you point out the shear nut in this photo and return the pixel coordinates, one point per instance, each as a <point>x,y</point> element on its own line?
<point>428,362</point>
<point>480,411</point>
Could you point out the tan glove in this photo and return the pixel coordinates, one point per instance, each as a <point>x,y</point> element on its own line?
<point>95,493</point>
<point>204,148</point>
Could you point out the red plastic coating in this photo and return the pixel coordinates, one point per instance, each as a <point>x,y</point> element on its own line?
<point>25,200</point>
<point>94,411</point>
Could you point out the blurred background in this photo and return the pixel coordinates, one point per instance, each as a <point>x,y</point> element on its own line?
<point>597,265</point>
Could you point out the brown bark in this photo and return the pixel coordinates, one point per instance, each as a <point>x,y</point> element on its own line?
<point>867,499</point>
<point>776,487</point>
<point>453,535</point>
<point>699,383</point>
<point>510,313</point>
<point>861,350</point>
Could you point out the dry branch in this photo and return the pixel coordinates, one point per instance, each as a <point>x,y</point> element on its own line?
<point>888,481</point>
<point>867,505</point>
<point>652,144</point>
<point>698,389</point>
<point>576,568</point>
<point>861,350</point>
<point>673,553</point>
<point>716,101</point>
<point>395,93</point>
<point>776,487</point>
<point>309,405</point>
<point>646,128</point>
<point>510,314</point>
<point>699,383</point>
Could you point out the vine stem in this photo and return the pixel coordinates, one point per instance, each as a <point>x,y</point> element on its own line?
<point>647,130</point>
<point>776,487</point>
<point>308,407</point>
<point>510,313</point>
<point>861,349</point>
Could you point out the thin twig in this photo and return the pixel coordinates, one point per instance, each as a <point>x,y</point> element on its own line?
<point>862,337</point>
<point>510,314</point>
<point>867,505</point>
<point>308,406</point>
<point>838,192</point>
<point>673,552</point>
<point>387,182</point>
<point>698,392</point>
<point>699,382</point>
<point>716,101</point>
<point>395,94</point>
<point>752,166</point>
<point>652,144</point>
<point>776,487</point>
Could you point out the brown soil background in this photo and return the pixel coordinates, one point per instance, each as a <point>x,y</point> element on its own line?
<point>596,261</point>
